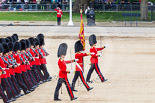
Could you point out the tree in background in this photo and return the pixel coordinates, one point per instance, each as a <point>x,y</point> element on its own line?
<point>144,10</point>
<point>80,4</point>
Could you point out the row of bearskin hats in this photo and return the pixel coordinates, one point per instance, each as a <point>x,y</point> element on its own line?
<point>78,46</point>
<point>11,43</point>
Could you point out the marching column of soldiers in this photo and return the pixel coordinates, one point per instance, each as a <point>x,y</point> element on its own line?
<point>22,66</point>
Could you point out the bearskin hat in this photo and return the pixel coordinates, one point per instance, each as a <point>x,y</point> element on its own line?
<point>42,41</point>
<point>16,36</point>
<point>31,39</point>
<point>2,40</point>
<point>5,47</point>
<point>37,41</point>
<point>1,48</point>
<point>23,45</point>
<point>11,46</point>
<point>62,50</point>
<point>92,39</point>
<point>28,45</point>
<point>10,39</point>
<point>17,46</point>
<point>7,40</point>
<point>40,36</point>
<point>78,46</point>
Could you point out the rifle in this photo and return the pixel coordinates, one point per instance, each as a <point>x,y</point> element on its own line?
<point>45,52</point>
<point>35,52</point>
<point>40,53</point>
<point>11,62</point>
<point>5,62</point>
<point>21,59</point>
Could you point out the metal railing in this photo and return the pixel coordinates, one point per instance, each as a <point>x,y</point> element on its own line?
<point>65,7</point>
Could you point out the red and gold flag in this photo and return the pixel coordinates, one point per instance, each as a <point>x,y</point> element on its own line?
<point>81,34</point>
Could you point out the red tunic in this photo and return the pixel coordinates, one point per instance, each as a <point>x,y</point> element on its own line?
<point>28,65</point>
<point>23,66</point>
<point>80,62</point>
<point>62,68</point>
<point>42,60</point>
<point>17,58</point>
<point>34,55</point>
<point>94,58</point>
<point>7,69</point>
<point>12,71</point>
<point>2,64</point>
<point>37,61</point>
<point>59,12</point>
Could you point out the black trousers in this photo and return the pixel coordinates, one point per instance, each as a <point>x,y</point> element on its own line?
<point>59,20</point>
<point>15,84</point>
<point>26,80</point>
<point>6,86</point>
<point>21,82</point>
<point>97,69</point>
<point>79,74</point>
<point>44,69</point>
<point>36,74</point>
<point>59,84</point>
<point>14,92</point>
<point>2,94</point>
<point>32,78</point>
<point>40,73</point>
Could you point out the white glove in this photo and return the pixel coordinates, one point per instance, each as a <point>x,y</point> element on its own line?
<point>106,45</point>
<point>3,68</point>
<point>71,71</point>
<point>92,53</point>
<point>83,52</point>
<point>76,60</point>
<point>100,55</point>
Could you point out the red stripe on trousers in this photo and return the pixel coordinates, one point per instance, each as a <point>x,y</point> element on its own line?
<point>84,80</point>
<point>69,88</point>
<point>98,72</point>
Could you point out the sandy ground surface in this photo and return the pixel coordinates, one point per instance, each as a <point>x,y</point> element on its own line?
<point>76,24</point>
<point>128,64</point>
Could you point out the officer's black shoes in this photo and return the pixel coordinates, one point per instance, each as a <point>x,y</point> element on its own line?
<point>90,81</point>
<point>90,88</point>
<point>27,92</point>
<point>105,80</point>
<point>21,95</point>
<point>13,99</point>
<point>74,90</point>
<point>8,101</point>
<point>57,99</point>
<point>49,77</point>
<point>17,96</point>
<point>74,98</point>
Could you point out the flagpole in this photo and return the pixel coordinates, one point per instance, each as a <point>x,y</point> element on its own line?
<point>70,23</point>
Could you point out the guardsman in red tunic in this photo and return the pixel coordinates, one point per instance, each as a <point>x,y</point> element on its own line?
<point>2,94</point>
<point>5,82</point>
<point>59,14</point>
<point>9,66</point>
<point>37,61</point>
<point>29,65</point>
<point>12,70</point>
<point>63,73</point>
<point>79,65</point>
<point>42,58</point>
<point>34,55</point>
<point>18,71</point>
<point>25,75</point>
<point>94,59</point>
